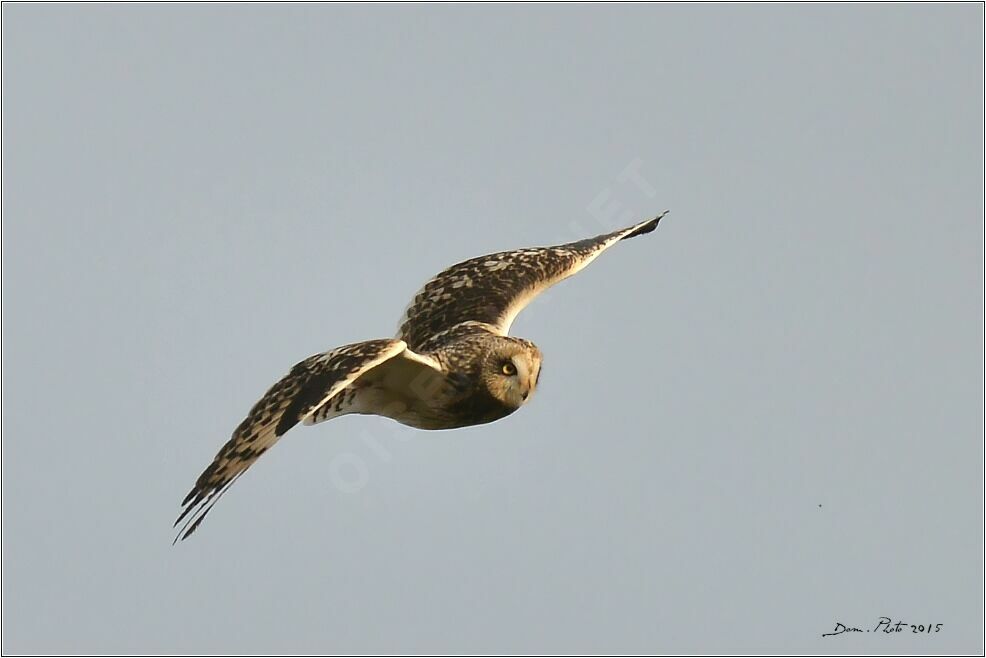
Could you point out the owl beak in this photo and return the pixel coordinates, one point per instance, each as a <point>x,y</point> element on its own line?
<point>530,382</point>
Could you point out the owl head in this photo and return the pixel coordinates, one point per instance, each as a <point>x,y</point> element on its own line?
<point>511,369</point>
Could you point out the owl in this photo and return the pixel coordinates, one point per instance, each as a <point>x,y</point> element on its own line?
<point>452,363</point>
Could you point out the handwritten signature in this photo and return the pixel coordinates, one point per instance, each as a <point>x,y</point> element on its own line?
<point>886,625</point>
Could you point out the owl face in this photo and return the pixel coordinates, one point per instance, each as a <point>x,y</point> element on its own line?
<point>511,371</point>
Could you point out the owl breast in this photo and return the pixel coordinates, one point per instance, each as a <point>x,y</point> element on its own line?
<point>444,402</point>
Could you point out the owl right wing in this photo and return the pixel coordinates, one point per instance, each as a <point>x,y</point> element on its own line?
<point>291,400</point>
<point>493,289</point>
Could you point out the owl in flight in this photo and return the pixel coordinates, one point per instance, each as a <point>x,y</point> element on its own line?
<point>451,365</point>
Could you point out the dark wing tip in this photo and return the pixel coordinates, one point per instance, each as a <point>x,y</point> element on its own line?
<point>190,496</point>
<point>198,508</point>
<point>646,227</point>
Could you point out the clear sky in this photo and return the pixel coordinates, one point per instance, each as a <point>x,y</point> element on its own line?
<point>760,420</point>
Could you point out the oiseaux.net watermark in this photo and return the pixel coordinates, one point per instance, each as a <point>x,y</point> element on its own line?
<point>607,210</point>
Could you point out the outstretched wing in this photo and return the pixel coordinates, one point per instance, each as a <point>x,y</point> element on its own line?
<point>493,289</point>
<point>307,386</point>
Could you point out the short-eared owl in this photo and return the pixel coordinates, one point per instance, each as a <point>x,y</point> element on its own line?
<point>452,363</point>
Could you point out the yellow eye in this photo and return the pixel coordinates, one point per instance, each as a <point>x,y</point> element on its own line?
<point>509,369</point>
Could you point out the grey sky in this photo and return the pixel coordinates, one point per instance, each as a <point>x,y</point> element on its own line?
<point>762,419</point>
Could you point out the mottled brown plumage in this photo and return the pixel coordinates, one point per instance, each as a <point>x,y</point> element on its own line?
<point>494,288</point>
<point>451,364</point>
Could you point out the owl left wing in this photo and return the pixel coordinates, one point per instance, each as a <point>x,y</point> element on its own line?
<point>493,289</point>
<point>291,400</point>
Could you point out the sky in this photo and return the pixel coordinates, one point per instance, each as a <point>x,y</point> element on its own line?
<point>760,421</point>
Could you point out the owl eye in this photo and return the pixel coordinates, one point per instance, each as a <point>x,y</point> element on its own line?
<point>509,369</point>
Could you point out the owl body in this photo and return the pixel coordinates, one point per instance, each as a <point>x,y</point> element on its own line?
<point>451,364</point>
<point>470,389</point>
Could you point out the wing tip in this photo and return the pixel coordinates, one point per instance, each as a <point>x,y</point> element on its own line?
<point>645,227</point>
